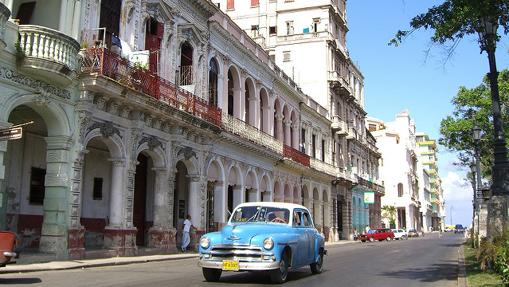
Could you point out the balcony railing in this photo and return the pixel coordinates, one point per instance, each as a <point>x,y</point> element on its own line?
<point>111,65</point>
<point>247,131</point>
<point>323,167</point>
<point>295,155</point>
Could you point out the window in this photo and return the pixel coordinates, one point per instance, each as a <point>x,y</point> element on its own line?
<point>25,12</point>
<point>230,198</point>
<point>334,152</point>
<point>230,4</point>
<point>37,176</point>
<point>316,21</point>
<point>289,27</point>
<point>254,30</point>
<point>400,190</point>
<point>323,150</point>
<point>303,140</point>
<point>313,146</point>
<point>97,193</point>
<point>307,220</point>
<point>272,58</point>
<point>287,56</point>
<point>272,30</point>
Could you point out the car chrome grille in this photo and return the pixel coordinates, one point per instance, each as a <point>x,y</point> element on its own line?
<point>246,253</point>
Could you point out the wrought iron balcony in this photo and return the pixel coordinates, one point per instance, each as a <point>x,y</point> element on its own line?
<point>323,167</point>
<point>295,155</point>
<point>5,13</point>
<point>102,62</point>
<point>247,131</point>
<point>340,82</point>
<point>47,54</point>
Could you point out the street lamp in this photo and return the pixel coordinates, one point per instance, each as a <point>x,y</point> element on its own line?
<point>500,172</point>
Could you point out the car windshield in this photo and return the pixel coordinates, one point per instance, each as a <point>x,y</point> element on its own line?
<point>260,214</point>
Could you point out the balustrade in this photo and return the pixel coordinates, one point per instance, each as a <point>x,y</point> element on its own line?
<point>111,65</point>
<point>323,167</point>
<point>296,155</point>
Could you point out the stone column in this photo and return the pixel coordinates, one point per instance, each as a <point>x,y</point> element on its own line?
<point>253,111</point>
<point>162,234</point>
<point>56,204</point>
<point>76,232</point>
<point>117,193</point>
<point>295,136</point>
<point>287,132</point>
<point>3,182</point>
<point>278,127</point>
<point>197,191</point>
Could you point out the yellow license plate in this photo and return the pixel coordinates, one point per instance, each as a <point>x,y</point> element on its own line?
<point>230,265</point>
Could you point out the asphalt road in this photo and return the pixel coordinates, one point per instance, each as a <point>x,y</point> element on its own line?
<point>428,261</point>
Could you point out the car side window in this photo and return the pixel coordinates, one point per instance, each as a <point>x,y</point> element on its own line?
<point>307,220</point>
<point>297,218</point>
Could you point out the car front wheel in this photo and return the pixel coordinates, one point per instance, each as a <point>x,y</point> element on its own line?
<point>316,268</point>
<point>280,275</point>
<point>371,239</point>
<point>211,275</point>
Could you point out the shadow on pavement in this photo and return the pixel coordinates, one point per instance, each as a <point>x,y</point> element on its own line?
<point>436,272</point>
<point>261,277</point>
<point>19,281</point>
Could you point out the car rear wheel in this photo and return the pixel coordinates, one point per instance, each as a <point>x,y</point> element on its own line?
<point>280,275</point>
<point>211,275</point>
<point>389,238</point>
<point>316,268</point>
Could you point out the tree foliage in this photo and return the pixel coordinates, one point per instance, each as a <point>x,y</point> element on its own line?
<point>472,107</point>
<point>389,213</point>
<point>454,19</point>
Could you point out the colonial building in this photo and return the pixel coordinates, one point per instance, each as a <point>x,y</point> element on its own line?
<point>307,39</point>
<point>145,111</point>
<point>396,142</point>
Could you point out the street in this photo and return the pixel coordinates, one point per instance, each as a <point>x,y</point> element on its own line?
<point>428,261</point>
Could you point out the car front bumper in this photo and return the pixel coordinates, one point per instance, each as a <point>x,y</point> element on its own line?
<point>9,254</point>
<point>243,266</point>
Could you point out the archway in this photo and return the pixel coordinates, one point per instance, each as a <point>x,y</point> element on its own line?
<point>251,187</point>
<point>234,197</point>
<point>25,171</point>
<point>294,130</point>
<point>305,197</point>
<point>215,194</point>
<point>180,199</point>
<point>297,198</point>
<point>286,126</point>
<point>316,209</point>
<point>233,100</point>
<point>213,82</point>
<point>278,121</point>
<point>143,198</point>
<point>265,189</point>
<point>264,111</point>
<point>288,194</point>
<point>249,102</point>
<point>278,192</point>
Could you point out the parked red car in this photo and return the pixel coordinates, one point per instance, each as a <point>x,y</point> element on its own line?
<point>7,246</point>
<point>377,234</point>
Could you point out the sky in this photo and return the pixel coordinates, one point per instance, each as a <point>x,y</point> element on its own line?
<point>417,76</point>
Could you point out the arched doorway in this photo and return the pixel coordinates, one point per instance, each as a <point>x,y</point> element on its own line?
<point>233,92</point>
<point>278,192</point>
<point>214,216</point>
<point>213,82</point>
<point>297,198</point>
<point>288,194</point>
<point>316,209</point>
<point>264,111</point>
<point>143,199</point>
<point>181,199</point>
<point>186,64</point>
<point>251,188</point>
<point>25,172</point>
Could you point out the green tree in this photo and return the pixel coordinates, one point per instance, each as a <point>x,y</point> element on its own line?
<point>472,107</point>
<point>389,213</point>
<point>454,19</point>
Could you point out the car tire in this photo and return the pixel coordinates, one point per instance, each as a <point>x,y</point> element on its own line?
<point>280,275</point>
<point>211,274</point>
<point>371,239</point>
<point>316,268</point>
<point>388,238</point>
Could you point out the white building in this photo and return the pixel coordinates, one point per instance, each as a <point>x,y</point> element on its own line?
<point>396,142</point>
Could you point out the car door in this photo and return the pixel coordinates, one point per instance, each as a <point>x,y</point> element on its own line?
<point>302,237</point>
<point>310,240</point>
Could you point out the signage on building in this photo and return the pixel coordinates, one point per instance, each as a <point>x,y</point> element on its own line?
<point>11,134</point>
<point>369,197</point>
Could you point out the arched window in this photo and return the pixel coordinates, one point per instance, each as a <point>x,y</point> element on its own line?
<point>231,86</point>
<point>246,101</point>
<point>400,190</point>
<point>186,64</point>
<point>213,78</point>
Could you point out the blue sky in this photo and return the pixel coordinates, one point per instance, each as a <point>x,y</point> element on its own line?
<point>407,77</point>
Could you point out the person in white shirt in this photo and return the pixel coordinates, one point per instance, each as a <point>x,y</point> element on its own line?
<point>186,239</point>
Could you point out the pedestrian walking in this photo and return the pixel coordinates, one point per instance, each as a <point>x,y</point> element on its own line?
<point>186,239</point>
<point>366,230</point>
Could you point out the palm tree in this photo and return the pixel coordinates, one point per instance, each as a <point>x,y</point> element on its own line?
<point>389,212</point>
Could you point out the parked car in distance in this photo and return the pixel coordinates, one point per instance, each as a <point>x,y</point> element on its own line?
<point>377,234</point>
<point>400,234</point>
<point>412,232</point>
<point>263,236</point>
<point>459,228</point>
<point>7,247</point>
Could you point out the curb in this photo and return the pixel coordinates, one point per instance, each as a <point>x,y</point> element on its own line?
<point>68,265</point>
<point>462,273</point>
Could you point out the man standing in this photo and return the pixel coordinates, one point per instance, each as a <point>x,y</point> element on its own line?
<point>186,239</point>
<point>366,229</point>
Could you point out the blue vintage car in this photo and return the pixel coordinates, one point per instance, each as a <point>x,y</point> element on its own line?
<point>263,236</point>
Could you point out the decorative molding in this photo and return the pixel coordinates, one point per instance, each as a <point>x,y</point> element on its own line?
<point>187,152</point>
<point>39,86</point>
<point>107,129</point>
<point>151,141</point>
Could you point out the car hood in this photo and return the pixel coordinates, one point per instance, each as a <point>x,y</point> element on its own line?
<point>244,232</point>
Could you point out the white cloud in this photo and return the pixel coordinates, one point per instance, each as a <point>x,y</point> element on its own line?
<point>456,188</point>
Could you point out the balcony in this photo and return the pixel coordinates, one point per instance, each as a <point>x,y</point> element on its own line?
<point>247,131</point>
<point>339,126</point>
<point>47,54</point>
<point>323,167</point>
<point>102,62</point>
<point>339,82</point>
<point>5,13</point>
<point>352,134</point>
<point>295,155</point>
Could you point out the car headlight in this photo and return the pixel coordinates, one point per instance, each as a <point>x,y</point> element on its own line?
<point>268,243</point>
<point>204,242</point>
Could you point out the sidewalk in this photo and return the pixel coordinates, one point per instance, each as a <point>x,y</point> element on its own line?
<point>89,263</point>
